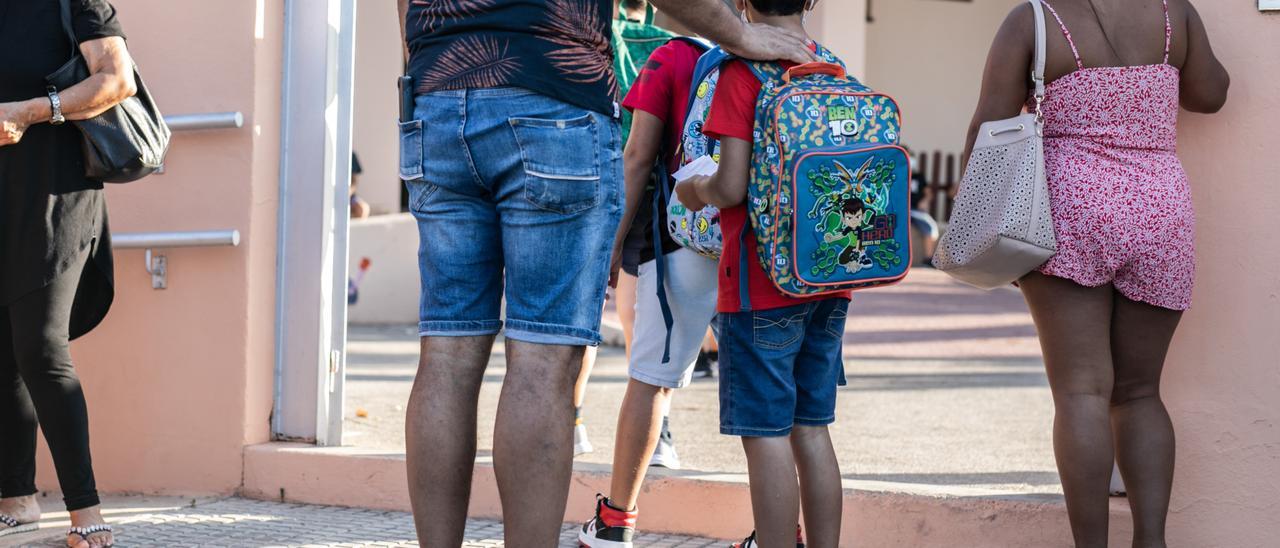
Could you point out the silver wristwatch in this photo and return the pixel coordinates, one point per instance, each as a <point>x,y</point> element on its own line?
<point>56,102</point>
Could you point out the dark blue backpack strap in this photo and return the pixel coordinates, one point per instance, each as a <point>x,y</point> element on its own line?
<point>744,291</point>
<point>702,44</point>
<point>660,263</point>
<point>660,199</point>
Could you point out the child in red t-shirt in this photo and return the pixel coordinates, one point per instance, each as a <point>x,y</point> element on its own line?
<point>659,102</point>
<point>780,357</point>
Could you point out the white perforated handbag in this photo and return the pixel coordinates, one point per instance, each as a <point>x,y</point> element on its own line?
<point>1001,227</point>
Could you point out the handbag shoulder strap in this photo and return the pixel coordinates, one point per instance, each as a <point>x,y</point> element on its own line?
<point>1037,67</point>
<point>67,28</point>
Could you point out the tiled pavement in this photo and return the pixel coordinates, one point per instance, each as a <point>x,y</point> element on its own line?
<point>237,522</point>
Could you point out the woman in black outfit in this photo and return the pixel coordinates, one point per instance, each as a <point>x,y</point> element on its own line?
<point>55,251</point>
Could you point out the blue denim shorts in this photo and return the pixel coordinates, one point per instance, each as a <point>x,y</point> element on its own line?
<point>515,194</point>
<point>781,367</point>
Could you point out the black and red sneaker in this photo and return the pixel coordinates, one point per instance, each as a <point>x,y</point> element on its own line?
<point>611,528</point>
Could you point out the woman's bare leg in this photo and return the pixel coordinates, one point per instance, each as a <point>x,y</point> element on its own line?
<point>1140,337</point>
<point>1074,324</point>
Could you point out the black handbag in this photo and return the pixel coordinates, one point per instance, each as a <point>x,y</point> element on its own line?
<point>128,141</point>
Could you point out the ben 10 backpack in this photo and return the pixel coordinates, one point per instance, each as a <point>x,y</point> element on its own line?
<point>698,230</point>
<point>829,195</point>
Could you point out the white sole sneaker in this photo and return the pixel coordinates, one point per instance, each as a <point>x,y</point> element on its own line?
<point>586,540</point>
<point>665,456</point>
<point>581,445</point>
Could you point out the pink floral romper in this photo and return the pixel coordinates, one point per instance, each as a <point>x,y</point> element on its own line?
<point>1121,202</point>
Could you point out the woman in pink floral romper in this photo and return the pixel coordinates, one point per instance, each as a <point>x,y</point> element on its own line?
<point>1106,306</point>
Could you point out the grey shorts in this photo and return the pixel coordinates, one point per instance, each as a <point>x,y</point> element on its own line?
<point>691,292</point>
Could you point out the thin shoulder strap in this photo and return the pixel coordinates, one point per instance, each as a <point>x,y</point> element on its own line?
<point>1065,32</point>
<point>1037,67</point>
<point>1168,32</point>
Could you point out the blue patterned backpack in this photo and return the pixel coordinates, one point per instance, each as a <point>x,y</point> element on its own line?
<point>698,230</point>
<point>829,195</point>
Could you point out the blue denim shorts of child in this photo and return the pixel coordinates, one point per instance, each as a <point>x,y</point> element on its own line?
<point>781,367</point>
<point>516,194</point>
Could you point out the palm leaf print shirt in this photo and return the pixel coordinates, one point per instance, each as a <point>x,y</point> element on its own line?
<point>559,48</point>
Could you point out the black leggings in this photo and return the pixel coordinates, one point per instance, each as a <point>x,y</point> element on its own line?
<point>37,379</point>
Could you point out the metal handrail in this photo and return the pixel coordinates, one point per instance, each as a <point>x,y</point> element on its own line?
<point>206,238</point>
<point>206,120</point>
<point>157,266</point>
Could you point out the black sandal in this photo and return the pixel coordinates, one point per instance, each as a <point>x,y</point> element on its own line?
<point>14,527</point>
<point>86,532</point>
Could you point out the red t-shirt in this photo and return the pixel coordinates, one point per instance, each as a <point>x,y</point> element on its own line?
<point>662,89</point>
<point>733,114</point>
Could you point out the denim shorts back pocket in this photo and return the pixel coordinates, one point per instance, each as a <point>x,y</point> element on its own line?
<point>561,161</point>
<point>411,150</point>
<point>836,320</point>
<point>778,329</point>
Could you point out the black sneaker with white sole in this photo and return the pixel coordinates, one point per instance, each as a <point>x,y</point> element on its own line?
<point>610,528</point>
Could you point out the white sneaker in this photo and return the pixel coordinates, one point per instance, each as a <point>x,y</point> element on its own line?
<point>664,454</point>
<point>581,445</point>
<point>1117,483</point>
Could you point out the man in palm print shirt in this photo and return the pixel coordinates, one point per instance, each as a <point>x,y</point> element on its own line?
<point>513,164</point>
<point>559,48</point>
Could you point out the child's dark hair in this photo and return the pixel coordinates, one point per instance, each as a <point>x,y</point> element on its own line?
<point>853,206</point>
<point>634,5</point>
<point>779,7</point>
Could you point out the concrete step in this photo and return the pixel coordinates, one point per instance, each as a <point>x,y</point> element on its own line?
<point>876,514</point>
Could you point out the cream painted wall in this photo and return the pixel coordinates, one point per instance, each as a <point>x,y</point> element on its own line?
<point>178,381</point>
<point>379,52</point>
<point>929,55</point>
<point>841,25</point>
<point>1222,382</point>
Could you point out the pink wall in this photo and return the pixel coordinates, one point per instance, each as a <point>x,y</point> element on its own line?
<point>179,380</point>
<point>1223,378</point>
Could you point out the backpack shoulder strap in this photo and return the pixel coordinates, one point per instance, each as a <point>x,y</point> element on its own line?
<point>773,71</point>
<point>711,60</point>
<point>701,44</point>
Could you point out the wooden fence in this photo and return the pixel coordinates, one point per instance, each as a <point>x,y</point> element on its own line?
<point>940,176</point>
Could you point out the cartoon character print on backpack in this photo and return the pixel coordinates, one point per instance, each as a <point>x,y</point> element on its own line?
<point>698,230</point>
<point>853,218</point>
